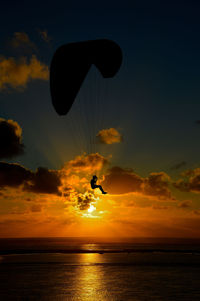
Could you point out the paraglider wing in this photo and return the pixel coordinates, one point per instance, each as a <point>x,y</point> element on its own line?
<point>71,63</point>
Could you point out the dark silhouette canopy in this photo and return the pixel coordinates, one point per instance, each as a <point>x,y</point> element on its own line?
<point>71,63</point>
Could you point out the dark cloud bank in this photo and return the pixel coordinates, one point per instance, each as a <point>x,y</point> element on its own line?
<point>10,139</point>
<point>41,181</point>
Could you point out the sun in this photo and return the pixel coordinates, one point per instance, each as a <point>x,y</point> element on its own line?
<point>91,208</point>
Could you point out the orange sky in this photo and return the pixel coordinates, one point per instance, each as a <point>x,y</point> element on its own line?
<point>61,203</point>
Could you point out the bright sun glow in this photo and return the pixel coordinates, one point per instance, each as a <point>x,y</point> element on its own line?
<point>91,209</point>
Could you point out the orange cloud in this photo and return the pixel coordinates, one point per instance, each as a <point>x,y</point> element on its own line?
<point>86,163</point>
<point>16,74</point>
<point>56,202</point>
<point>76,176</point>
<point>83,200</point>
<point>109,136</point>
<point>72,183</point>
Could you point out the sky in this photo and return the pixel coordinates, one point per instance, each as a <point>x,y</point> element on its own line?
<point>138,131</point>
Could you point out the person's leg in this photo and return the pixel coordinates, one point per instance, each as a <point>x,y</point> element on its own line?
<point>100,187</point>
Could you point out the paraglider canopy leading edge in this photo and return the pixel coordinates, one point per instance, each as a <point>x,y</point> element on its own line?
<point>71,63</point>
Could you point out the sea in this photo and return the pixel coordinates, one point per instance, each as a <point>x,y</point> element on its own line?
<point>89,270</point>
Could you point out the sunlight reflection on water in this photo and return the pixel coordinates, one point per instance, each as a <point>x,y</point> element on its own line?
<point>100,277</point>
<point>89,280</point>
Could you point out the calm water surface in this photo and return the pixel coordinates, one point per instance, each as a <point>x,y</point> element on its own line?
<point>91,277</point>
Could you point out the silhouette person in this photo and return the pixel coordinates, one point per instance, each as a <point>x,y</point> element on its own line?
<point>94,185</point>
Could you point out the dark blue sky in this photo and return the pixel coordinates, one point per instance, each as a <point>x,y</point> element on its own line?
<point>154,100</point>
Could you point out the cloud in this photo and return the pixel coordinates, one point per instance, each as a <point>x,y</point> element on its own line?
<point>157,184</point>
<point>44,35</point>
<point>76,176</point>
<point>191,181</point>
<point>16,74</point>
<point>21,40</point>
<point>86,163</point>
<point>122,181</point>
<point>109,136</point>
<point>10,139</point>
<point>83,200</point>
<point>13,174</point>
<point>42,181</point>
<point>71,183</point>
<point>178,165</point>
<point>35,199</point>
<point>185,204</point>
